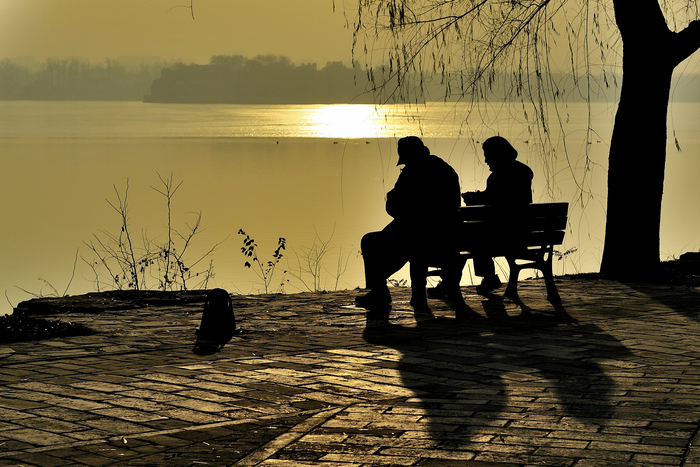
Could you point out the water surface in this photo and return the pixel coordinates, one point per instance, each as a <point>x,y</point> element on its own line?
<point>309,174</point>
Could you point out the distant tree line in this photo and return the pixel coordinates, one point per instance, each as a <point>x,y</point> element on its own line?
<point>74,79</point>
<point>270,79</point>
<point>234,79</point>
<point>267,79</point>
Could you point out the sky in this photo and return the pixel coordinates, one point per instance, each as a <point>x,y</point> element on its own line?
<point>307,31</point>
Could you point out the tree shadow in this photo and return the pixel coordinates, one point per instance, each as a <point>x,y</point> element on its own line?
<point>682,299</point>
<point>477,372</point>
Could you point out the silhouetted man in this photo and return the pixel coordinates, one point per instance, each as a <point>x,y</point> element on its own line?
<point>424,205</point>
<point>508,187</point>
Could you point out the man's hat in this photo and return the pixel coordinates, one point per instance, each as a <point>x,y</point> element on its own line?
<point>411,144</point>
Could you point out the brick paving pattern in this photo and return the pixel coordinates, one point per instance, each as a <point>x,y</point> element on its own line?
<point>609,378</point>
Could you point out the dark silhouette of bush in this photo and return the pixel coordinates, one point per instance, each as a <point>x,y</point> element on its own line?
<point>14,328</point>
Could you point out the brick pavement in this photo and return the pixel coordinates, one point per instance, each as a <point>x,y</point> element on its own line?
<point>610,378</point>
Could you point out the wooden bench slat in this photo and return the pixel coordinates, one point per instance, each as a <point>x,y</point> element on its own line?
<point>527,210</point>
<point>524,225</point>
<point>528,239</point>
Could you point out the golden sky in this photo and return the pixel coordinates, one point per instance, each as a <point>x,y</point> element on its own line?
<point>303,30</point>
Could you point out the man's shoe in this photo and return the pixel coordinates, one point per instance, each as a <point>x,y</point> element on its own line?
<point>420,304</point>
<point>444,292</point>
<point>374,299</point>
<point>488,285</point>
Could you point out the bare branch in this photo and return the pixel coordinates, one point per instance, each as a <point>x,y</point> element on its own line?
<point>75,262</point>
<point>190,6</point>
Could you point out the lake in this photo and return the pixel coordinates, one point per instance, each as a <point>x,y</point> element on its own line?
<point>314,174</point>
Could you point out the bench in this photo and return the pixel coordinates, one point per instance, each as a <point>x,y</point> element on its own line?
<point>530,234</point>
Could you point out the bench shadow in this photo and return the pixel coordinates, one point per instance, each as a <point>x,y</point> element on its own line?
<point>473,375</point>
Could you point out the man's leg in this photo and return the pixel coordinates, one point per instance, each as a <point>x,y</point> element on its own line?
<point>373,255</point>
<point>451,266</point>
<point>451,276</point>
<point>383,254</point>
<point>419,280</point>
<point>484,267</point>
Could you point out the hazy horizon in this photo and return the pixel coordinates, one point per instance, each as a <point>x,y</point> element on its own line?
<point>308,32</point>
<point>314,31</point>
<point>31,62</point>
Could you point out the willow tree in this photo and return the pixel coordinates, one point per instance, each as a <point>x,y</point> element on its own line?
<point>483,49</point>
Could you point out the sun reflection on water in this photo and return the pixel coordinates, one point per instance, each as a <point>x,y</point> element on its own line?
<point>347,121</point>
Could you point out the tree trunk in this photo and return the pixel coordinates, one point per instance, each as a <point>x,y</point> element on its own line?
<point>636,171</point>
<point>638,146</point>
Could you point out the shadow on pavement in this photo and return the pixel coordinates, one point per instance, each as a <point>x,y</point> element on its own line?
<point>472,374</point>
<point>682,299</point>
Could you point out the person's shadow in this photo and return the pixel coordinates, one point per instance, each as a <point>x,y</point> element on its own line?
<point>474,373</point>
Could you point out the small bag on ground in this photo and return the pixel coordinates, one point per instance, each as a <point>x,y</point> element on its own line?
<point>218,322</point>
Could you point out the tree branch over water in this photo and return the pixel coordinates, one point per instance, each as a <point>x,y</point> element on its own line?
<point>479,47</point>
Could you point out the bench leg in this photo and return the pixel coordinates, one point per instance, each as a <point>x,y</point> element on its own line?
<point>512,287</point>
<point>542,262</point>
<point>552,292</point>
